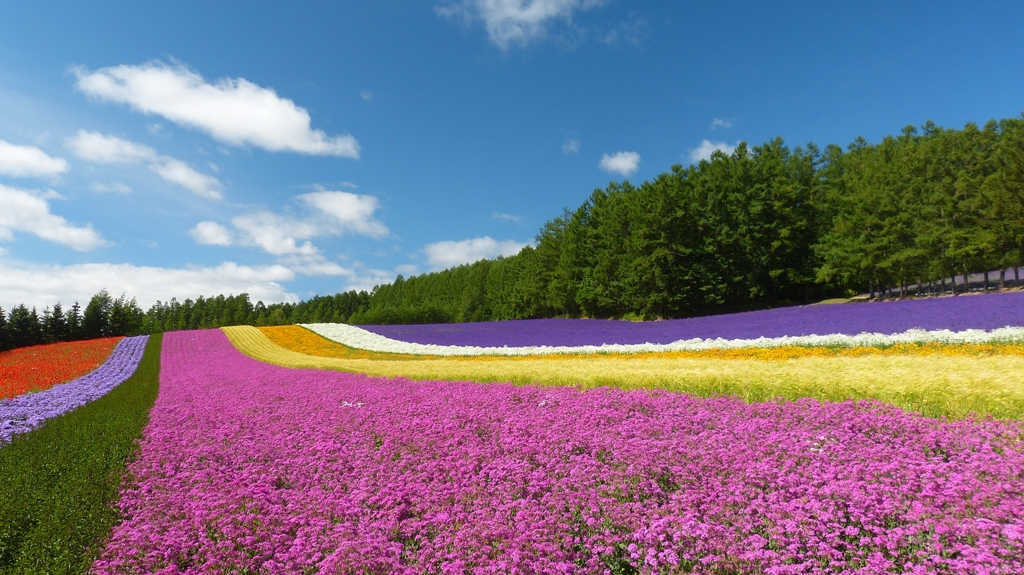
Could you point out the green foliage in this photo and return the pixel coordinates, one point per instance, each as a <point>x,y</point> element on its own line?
<point>60,481</point>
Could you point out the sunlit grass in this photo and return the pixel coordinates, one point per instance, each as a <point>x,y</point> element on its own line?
<point>934,380</point>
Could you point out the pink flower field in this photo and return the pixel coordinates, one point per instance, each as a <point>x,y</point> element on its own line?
<point>247,467</point>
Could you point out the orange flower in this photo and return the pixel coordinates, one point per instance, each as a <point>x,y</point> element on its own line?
<point>42,366</point>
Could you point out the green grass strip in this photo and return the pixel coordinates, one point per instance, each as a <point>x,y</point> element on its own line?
<point>58,483</point>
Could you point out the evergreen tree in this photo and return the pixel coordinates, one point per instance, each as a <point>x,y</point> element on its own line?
<point>96,319</point>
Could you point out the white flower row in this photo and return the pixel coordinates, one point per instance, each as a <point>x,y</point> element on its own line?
<point>360,338</point>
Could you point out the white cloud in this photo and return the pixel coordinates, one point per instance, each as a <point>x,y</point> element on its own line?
<point>43,285</point>
<point>347,212</point>
<point>720,123</point>
<point>448,254</point>
<point>314,265</point>
<point>232,110</point>
<point>29,161</point>
<point>27,211</point>
<point>178,172</point>
<point>276,235</point>
<point>507,217</point>
<point>706,148</point>
<point>518,22</point>
<point>114,188</point>
<point>211,234</point>
<point>624,163</point>
<point>570,146</point>
<point>95,147</point>
<point>366,95</point>
<point>329,213</point>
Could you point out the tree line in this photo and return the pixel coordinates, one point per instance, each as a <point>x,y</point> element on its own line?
<point>763,226</point>
<point>106,316</point>
<point>759,227</point>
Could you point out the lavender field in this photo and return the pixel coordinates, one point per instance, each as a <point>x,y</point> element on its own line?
<point>959,313</point>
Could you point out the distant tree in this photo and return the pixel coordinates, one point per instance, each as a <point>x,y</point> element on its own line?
<point>125,317</point>
<point>57,325</point>
<point>75,322</point>
<point>5,337</point>
<point>24,328</point>
<point>96,319</point>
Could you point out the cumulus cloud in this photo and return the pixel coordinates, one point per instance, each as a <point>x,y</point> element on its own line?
<point>287,236</point>
<point>347,212</point>
<point>624,163</point>
<point>28,212</point>
<point>275,234</point>
<point>211,234</point>
<point>29,161</point>
<point>706,148</point>
<point>232,110</point>
<point>43,285</point>
<point>448,254</point>
<point>515,22</point>
<point>101,149</point>
<point>720,123</point>
<point>95,147</point>
<point>178,172</point>
<point>570,146</point>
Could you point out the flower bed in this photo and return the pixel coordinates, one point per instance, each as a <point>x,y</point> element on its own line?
<point>357,337</point>
<point>29,411</point>
<point>251,467</point>
<point>934,380</point>
<point>42,366</point>
<point>985,312</point>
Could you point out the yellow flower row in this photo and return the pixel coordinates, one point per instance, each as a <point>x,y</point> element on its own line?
<point>952,383</point>
<point>302,340</point>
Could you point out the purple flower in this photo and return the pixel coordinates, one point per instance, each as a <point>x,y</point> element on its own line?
<point>953,313</point>
<point>247,466</point>
<point>26,412</point>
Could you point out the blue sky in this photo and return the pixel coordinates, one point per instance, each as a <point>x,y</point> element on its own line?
<point>172,149</point>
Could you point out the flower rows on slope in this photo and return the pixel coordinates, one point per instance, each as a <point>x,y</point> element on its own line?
<point>27,412</point>
<point>254,468</point>
<point>360,338</point>
<point>961,384</point>
<point>42,366</point>
<point>305,341</point>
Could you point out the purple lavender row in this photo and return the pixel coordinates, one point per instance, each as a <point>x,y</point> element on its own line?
<point>959,313</point>
<point>28,411</point>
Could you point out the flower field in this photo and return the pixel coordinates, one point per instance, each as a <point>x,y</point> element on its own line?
<point>42,366</point>
<point>28,411</point>
<point>950,383</point>
<point>334,449</point>
<point>954,314</point>
<point>247,467</point>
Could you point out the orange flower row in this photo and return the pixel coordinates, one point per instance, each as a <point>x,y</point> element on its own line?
<point>42,366</point>
<point>302,340</point>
